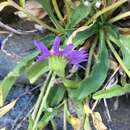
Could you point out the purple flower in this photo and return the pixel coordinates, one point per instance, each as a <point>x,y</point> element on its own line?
<point>73,56</point>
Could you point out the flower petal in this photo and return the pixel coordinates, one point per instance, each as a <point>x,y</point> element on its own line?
<point>41,58</point>
<point>76,57</point>
<point>56,45</point>
<point>67,50</point>
<point>41,47</point>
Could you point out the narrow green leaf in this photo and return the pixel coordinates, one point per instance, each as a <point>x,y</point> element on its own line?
<point>125,49</point>
<point>46,4</point>
<point>112,30</point>
<point>78,14</point>
<point>71,83</point>
<point>48,39</point>
<point>48,116</point>
<point>98,74</point>
<point>115,90</point>
<point>10,79</point>
<point>56,95</point>
<point>37,70</point>
<point>7,108</point>
<point>84,35</point>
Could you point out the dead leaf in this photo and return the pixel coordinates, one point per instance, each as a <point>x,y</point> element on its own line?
<point>3,5</point>
<point>97,121</point>
<point>75,122</point>
<point>8,107</point>
<point>34,8</point>
<point>87,110</point>
<point>124,31</point>
<point>113,64</point>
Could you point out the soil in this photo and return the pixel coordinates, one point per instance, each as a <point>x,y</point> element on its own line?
<point>120,117</point>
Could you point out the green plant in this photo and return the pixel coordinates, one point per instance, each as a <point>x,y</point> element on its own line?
<point>82,25</point>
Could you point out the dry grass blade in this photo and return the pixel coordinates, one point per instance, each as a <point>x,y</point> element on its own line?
<point>34,8</point>
<point>3,5</point>
<point>7,108</point>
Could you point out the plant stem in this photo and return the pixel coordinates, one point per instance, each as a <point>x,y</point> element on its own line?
<point>113,39</point>
<point>43,103</point>
<point>87,123</point>
<point>90,59</point>
<point>53,123</point>
<point>54,2</point>
<point>22,3</point>
<point>68,4</point>
<point>119,17</point>
<point>44,25</point>
<point>65,109</point>
<point>43,89</point>
<point>111,7</point>
<point>118,58</point>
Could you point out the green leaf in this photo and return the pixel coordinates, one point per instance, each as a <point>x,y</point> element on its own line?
<point>71,83</point>
<point>46,4</point>
<point>10,79</point>
<point>56,95</point>
<point>78,14</point>
<point>79,109</point>
<point>98,74</point>
<point>46,118</point>
<point>37,70</point>
<point>7,108</point>
<point>125,49</point>
<point>31,122</point>
<point>84,35</point>
<point>112,30</point>
<point>48,39</point>
<point>115,90</point>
